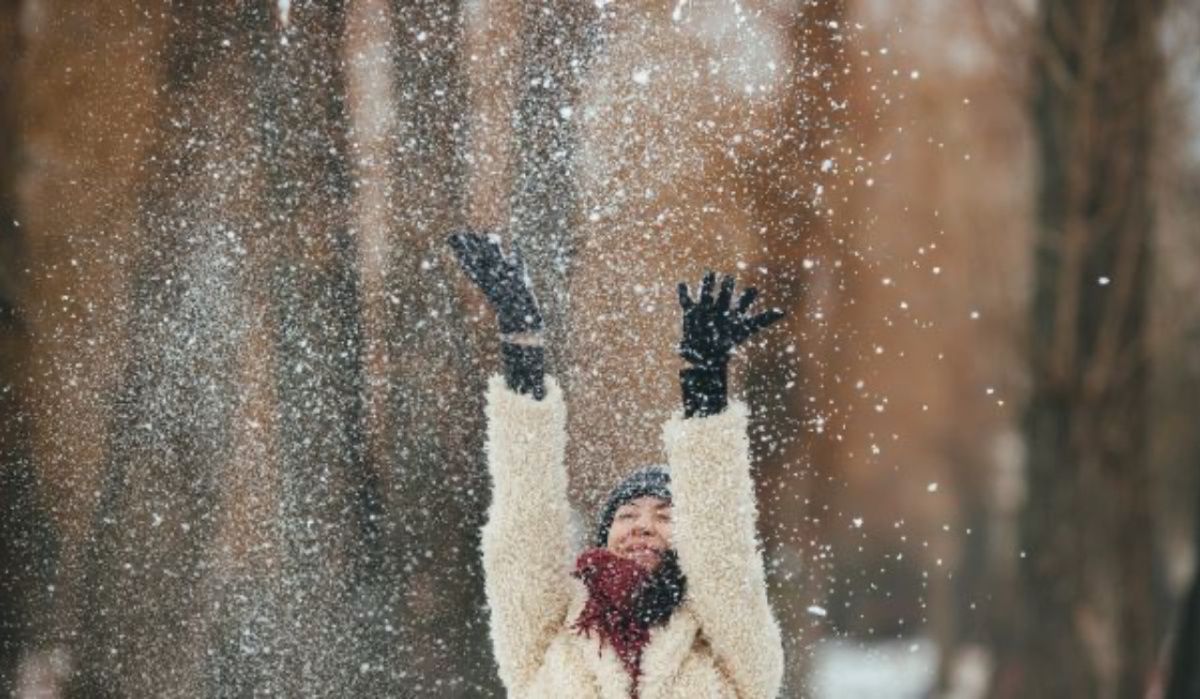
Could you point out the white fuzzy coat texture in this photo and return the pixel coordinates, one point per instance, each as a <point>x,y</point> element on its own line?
<point>723,641</point>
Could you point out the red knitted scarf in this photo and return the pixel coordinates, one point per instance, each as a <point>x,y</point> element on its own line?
<point>613,584</point>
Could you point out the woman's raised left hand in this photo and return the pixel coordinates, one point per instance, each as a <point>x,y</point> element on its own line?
<point>712,328</point>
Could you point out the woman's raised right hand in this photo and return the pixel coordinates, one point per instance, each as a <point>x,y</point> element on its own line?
<point>503,279</point>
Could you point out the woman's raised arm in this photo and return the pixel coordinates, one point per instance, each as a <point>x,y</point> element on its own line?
<point>714,512</point>
<point>525,545</point>
<point>526,550</point>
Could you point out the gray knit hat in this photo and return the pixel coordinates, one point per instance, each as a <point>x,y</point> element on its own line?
<point>652,480</point>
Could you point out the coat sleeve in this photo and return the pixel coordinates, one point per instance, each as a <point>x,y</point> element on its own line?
<point>713,530</point>
<point>525,542</point>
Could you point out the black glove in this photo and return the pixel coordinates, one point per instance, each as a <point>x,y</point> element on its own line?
<point>505,283</point>
<point>712,328</point>
<point>502,279</point>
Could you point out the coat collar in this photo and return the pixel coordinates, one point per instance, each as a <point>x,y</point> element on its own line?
<point>669,645</point>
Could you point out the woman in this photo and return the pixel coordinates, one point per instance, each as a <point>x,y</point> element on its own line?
<point>671,600</point>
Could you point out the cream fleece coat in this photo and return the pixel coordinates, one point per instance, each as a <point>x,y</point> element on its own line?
<point>723,641</point>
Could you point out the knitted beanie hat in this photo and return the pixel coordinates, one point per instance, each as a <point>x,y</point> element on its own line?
<point>652,481</point>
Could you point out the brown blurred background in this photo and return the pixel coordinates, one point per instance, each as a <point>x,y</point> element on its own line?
<point>240,386</point>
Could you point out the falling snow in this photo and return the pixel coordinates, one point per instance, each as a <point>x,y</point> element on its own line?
<point>256,400</point>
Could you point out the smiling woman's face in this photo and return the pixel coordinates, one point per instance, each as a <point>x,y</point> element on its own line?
<point>641,531</point>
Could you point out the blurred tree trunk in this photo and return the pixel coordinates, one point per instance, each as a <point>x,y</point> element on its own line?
<point>85,108</point>
<point>10,239</point>
<point>169,429</point>
<point>13,344</point>
<point>307,261</point>
<point>1183,674</point>
<point>26,551</point>
<point>435,482</point>
<point>1086,527</point>
<point>243,221</point>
